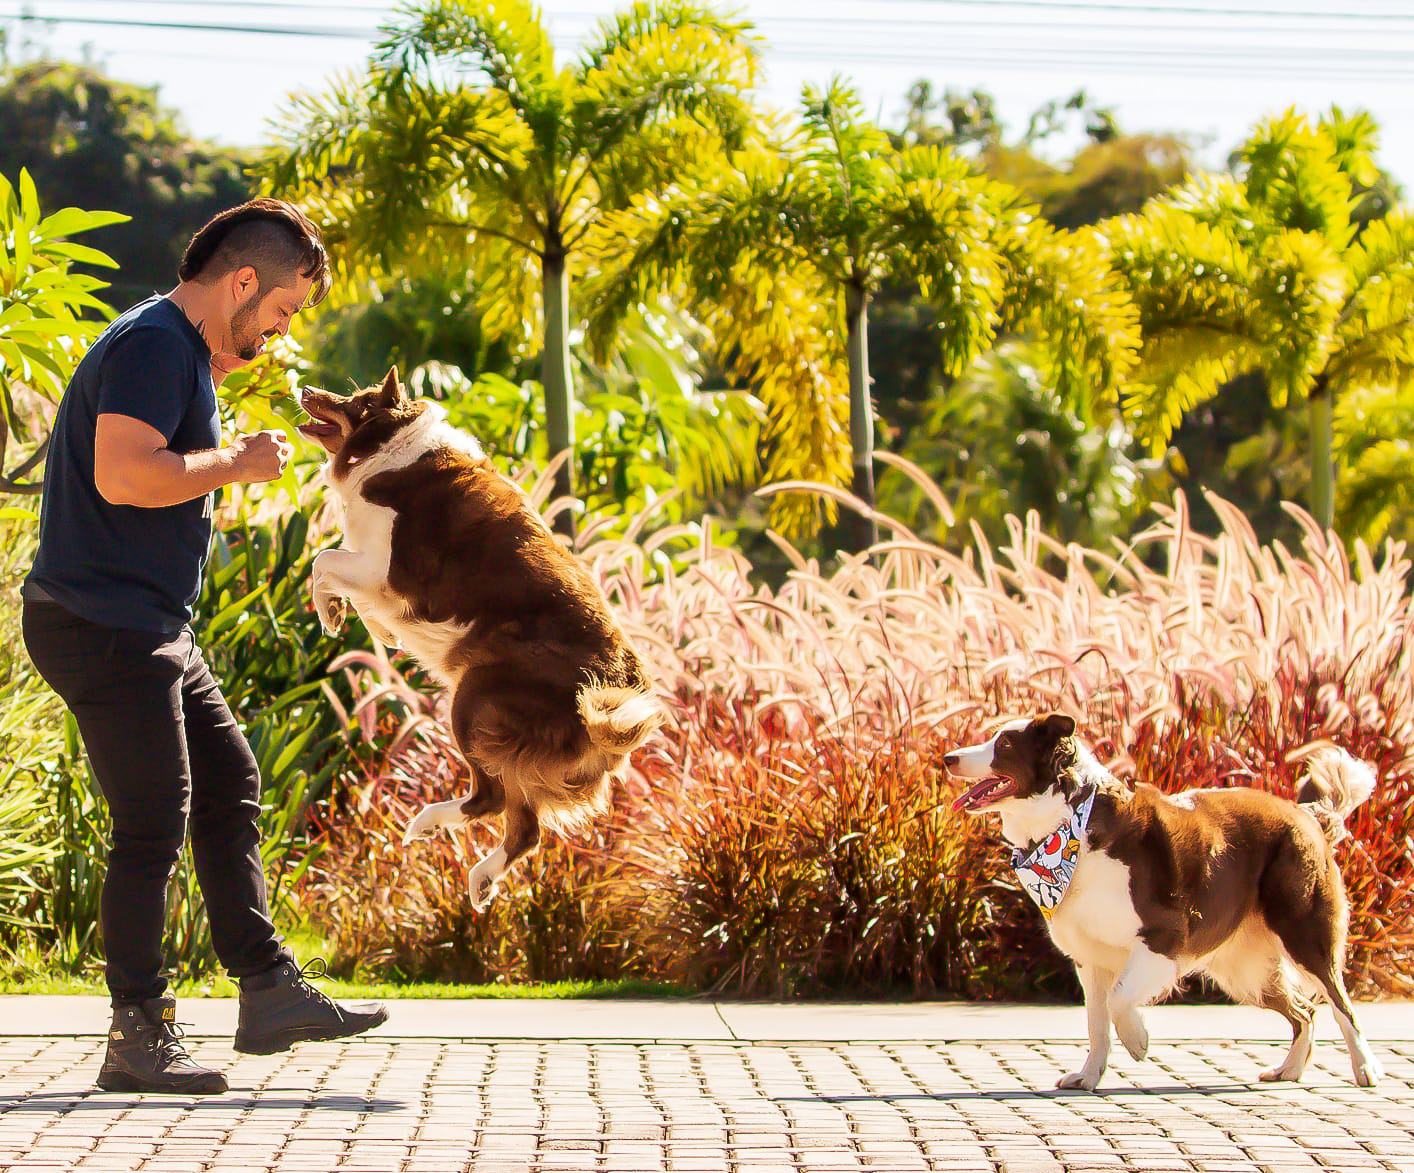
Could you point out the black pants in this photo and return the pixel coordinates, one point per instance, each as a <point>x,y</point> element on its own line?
<point>167,753</point>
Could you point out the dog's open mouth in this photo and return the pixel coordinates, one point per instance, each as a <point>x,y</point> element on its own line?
<point>985,793</point>
<point>317,426</point>
<point>314,428</point>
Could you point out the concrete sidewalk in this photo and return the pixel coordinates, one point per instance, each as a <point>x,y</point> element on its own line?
<point>706,1087</point>
<point>660,1020</point>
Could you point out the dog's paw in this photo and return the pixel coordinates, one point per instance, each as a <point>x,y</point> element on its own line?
<point>1133,1034</point>
<point>1284,1073</point>
<point>1369,1073</point>
<point>482,889</point>
<point>1082,1079</point>
<point>332,612</point>
<point>422,825</point>
<point>484,876</point>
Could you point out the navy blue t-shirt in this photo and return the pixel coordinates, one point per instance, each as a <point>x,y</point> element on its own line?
<point>123,565</point>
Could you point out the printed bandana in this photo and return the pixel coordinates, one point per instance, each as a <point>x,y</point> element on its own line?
<point>1046,870</point>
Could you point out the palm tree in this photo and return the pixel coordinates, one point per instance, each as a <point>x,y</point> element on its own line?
<point>467,147</point>
<point>793,242</point>
<point>1271,270</point>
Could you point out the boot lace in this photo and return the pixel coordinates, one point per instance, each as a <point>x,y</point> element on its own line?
<point>314,968</point>
<point>166,1040</point>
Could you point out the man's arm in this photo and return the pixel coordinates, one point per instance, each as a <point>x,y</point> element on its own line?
<point>132,465</point>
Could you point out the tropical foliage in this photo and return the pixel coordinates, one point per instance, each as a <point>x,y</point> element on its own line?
<point>790,246</point>
<point>1085,480</point>
<point>48,315</point>
<point>1070,329</point>
<point>467,148</point>
<point>1266,270</point>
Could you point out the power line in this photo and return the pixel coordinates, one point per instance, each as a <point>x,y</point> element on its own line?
<point>343,32</point>
<point>183,26</point>
<point>1375,64</point>
<point>1197,10</point>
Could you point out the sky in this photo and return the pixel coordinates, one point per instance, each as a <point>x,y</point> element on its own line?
<point>1205,68</point>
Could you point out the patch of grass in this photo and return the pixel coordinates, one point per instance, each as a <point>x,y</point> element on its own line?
<point>223,987</point>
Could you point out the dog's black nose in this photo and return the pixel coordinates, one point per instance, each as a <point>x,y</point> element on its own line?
<point>949,760</point>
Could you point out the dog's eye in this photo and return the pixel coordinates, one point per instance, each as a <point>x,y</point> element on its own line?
<point>1003,741</point>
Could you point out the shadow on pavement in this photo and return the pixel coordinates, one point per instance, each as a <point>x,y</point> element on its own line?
<point>1187,1089</point>
<point>237,1099</point>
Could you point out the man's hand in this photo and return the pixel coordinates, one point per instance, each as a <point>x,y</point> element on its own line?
<point>259,457</point>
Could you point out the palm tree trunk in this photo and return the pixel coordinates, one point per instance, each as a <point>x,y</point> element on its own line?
<point>1322,467</point>
<point>556,378</point>
<point>862,530</point>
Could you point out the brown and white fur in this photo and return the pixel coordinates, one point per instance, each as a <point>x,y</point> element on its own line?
<point>447,559</point>
<point>1237,885</point>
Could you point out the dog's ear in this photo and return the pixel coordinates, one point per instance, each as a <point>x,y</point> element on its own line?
<point>1058,725</point>
<point>391,391</point>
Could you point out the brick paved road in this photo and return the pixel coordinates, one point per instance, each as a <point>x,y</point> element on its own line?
<point>429,1106</point>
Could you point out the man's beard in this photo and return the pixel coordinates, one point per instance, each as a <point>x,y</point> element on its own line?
<point>245,339</point>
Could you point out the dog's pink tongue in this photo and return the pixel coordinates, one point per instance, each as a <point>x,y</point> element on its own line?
<point>967,797</point>
<point>963,800</point>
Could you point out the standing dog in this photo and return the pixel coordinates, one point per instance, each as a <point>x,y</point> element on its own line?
<point>448,559</point>
<point>1140,889</point>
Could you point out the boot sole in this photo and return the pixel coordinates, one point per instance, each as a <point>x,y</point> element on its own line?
<point>273,1044</point>
<point>123,1081</point>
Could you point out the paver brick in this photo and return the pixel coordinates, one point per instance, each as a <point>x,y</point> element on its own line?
<point>382,1105</point>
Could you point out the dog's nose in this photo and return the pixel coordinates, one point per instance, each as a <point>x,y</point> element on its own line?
<point>950,760</point>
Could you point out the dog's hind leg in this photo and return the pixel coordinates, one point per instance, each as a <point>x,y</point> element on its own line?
<point>521,836</point>
<point>487,797</point>
<point>1286,1001</point>
<point>1314,938</point>
<point>1366,1067</point>
<point>1096,984</point>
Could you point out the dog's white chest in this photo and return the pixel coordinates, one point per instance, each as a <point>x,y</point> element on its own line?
<point>1097,918</point>
<point>369,530</point>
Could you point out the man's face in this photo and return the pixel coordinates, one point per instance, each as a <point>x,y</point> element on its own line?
<point>265,314</point>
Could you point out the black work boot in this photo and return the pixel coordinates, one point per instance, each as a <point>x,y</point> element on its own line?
<point>279,1008</point>
<point>145,1053</point>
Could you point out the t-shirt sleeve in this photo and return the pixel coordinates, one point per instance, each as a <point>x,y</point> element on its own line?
<point>145,376</point>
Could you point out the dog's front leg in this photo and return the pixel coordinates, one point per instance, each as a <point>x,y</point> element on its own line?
<point>1147,977</point>
<point>522,835</point>
<point>1096,985</point>
<point>337,575</point>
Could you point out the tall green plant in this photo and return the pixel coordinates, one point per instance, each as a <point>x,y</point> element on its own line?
<point>648,432</point>
<point>48,314</point>
<point>31,740</point>
<point>466,147</point>
<point>792,245</point>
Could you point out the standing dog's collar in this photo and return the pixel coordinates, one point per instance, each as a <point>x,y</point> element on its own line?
<point>1045,871</point>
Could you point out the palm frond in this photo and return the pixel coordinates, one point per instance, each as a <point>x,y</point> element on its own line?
<point>1377,323</point>
<point>1294,174</point>
<point>504,40</point>
<point>659,63</point>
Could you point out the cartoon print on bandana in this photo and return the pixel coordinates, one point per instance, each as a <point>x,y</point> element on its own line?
<point>1047,869</point>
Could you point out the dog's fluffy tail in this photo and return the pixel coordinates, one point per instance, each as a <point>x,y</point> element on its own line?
<point>618,720</point>
<point>1334,785</point>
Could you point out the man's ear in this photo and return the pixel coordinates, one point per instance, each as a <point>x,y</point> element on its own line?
<point>391,391</point>
<point>245,283</point>
<point>1058,725</point>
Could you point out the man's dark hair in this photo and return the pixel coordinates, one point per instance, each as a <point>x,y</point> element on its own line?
<point>275,238</point>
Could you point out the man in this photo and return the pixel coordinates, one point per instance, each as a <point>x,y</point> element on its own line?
<point>125,526</point>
